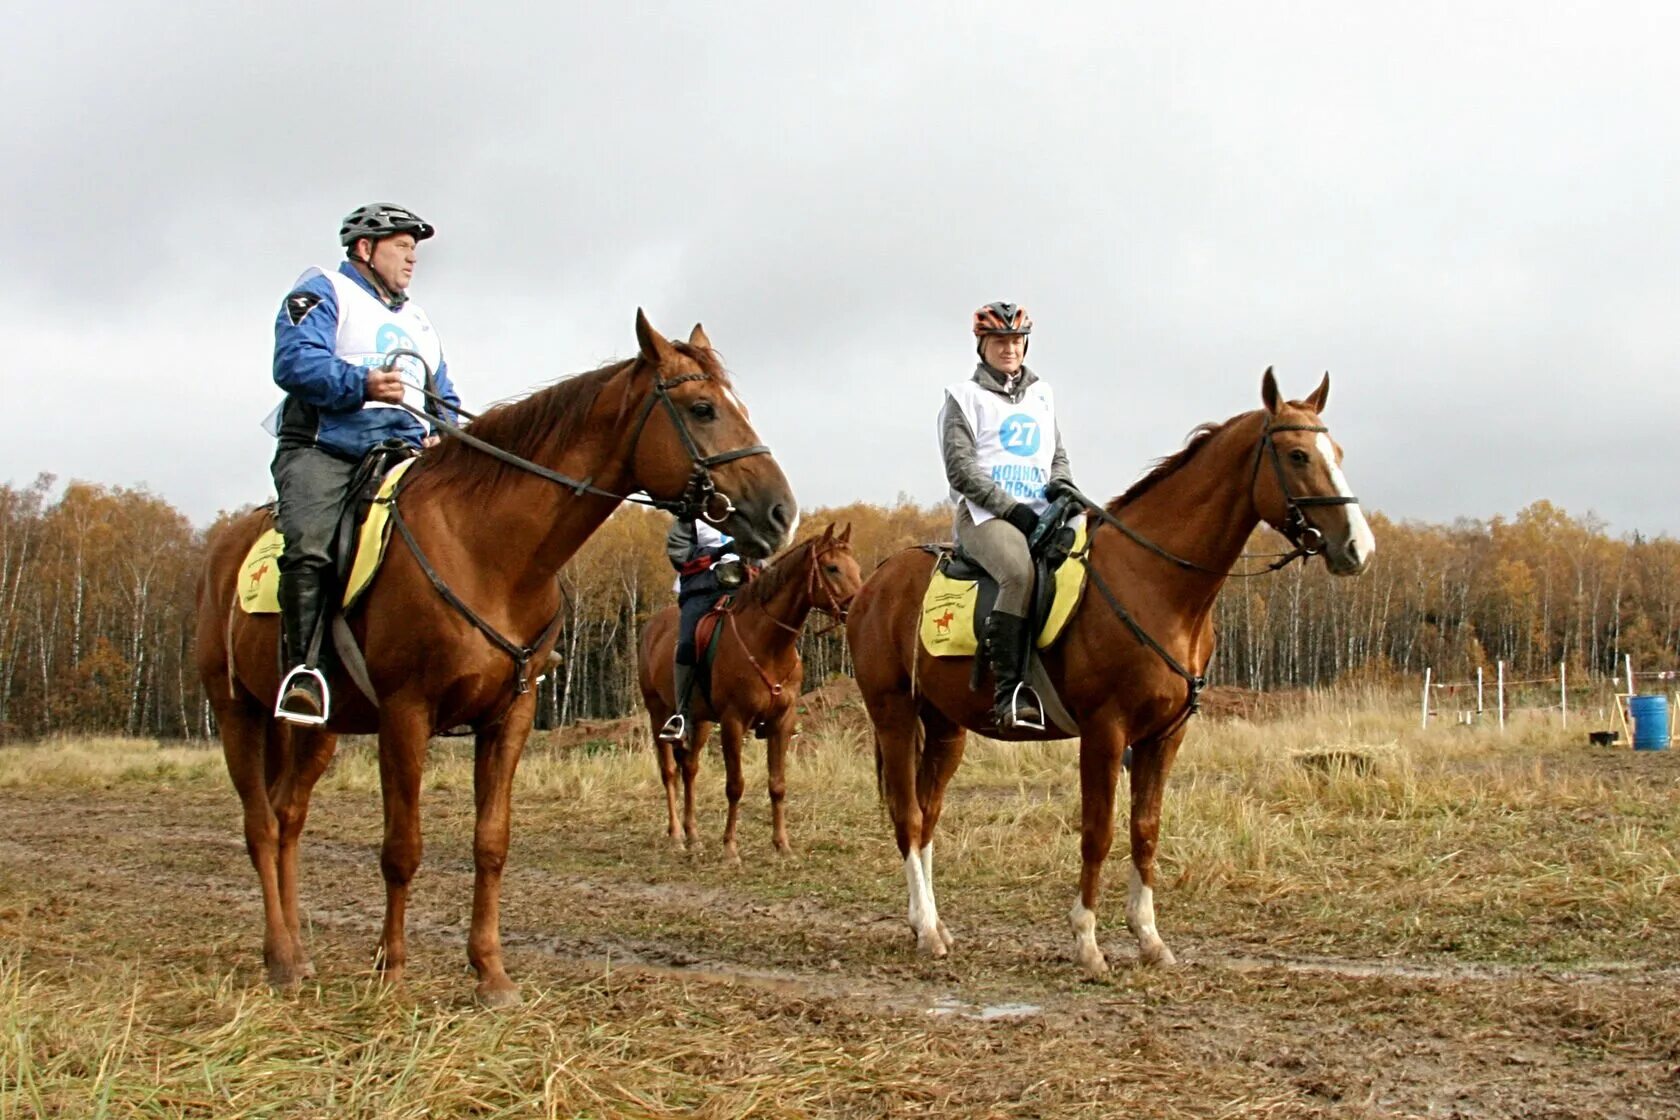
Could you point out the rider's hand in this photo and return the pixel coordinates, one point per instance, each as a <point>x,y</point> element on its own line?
<point>429,441</point>
<point>1059,487</point>
<point>384,384</point>
<point>1023,518</point>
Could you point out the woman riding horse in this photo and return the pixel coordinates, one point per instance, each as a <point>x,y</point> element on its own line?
<point>707,569</point>
<point>995,433</point>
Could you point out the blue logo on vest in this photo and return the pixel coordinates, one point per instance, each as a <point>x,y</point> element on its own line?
<point>1020,435</point>
<point>392,337</point>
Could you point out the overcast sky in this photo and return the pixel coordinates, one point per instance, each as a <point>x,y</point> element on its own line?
<point>1466,212</point>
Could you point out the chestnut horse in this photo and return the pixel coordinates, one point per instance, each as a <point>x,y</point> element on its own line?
<point>755,680</point>
<point>1129,663</point>
<point>485,534</point>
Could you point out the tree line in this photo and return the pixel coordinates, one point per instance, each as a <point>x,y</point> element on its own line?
<point>97,607</point>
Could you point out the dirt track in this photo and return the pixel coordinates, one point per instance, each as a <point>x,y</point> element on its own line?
<point>161,878</point>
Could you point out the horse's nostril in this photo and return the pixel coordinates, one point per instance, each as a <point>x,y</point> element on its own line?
<point>781,517</point>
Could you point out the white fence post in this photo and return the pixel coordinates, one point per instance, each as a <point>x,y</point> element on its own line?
<point>1563,690</point>
<point>1478,692</point>
<point>1628,659</point>
<point>1500,694</point>
<point>1426,672</point>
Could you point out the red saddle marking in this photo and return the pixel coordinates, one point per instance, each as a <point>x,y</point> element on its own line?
<point>707,626</point>
<point>943,622</point>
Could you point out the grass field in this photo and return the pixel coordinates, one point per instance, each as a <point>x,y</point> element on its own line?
<point>1371,920</point>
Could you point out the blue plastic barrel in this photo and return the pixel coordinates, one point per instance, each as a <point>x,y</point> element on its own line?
<point>1650,722</point>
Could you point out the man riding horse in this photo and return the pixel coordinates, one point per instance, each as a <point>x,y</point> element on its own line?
<point>1005,463</point>
<point>333,344</point>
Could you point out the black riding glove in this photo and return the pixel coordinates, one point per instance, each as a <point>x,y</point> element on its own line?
<point>1059,488</point>
<point>1023,518</point>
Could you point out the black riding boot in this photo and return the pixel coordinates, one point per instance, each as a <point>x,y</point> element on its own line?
<point>676,728</point>
<point>303,694</point>
<point>1015,706</point>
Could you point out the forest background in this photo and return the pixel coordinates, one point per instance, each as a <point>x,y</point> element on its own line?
<point>97,608</point>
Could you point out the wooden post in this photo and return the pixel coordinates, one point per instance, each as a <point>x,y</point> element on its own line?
<point>1478,692</point>
<point>1499,693</point>
<point>1563,691</point>
<point>1426,672</point>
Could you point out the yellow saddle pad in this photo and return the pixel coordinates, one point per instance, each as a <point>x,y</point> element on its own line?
<point>948,607</point>
<point>259,575</point>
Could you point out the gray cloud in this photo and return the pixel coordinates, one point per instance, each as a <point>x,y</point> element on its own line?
<point>1465,217</point>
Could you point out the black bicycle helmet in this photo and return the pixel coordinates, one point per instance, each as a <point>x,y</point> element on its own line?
<point>380,220</point>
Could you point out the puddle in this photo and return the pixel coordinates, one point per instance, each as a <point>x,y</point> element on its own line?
<point>950,1006</point>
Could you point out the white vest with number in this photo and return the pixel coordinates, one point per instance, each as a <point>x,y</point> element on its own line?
<point>368,331</point>
<point>1014,443</point>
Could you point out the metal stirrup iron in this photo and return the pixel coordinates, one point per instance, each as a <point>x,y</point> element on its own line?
<point>1015,719</point>
<point>306,672</point>
<point>675,729</point>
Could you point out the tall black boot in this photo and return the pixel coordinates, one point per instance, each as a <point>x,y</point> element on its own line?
<point>682,682</point>
<point>303,691</point>
<point>1015,706</point>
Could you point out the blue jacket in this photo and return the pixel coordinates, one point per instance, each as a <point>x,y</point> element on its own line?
<point>324,394</point>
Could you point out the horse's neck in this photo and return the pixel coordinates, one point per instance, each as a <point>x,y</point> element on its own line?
<point>791,603</point>
<point>1204,513</point>
<point>543,522</point>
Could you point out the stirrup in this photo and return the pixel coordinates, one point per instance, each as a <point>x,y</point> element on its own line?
<point>675,729</point>
<point>306,719</point>
<point>1016,723</point>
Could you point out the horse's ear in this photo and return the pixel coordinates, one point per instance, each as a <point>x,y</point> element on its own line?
<point>697,338</point>
<point>1321,395</point>
<point>1269,392</point>
<point>654,347</point>
<point>828,534</point>
<point>846,537</point>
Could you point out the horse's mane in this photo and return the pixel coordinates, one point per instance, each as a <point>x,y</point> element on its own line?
<point>1200,436</point>
<point>535,427</point>
<point>776,575</point>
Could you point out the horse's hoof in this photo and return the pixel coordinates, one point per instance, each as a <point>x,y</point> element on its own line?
<point>931,945</point>
<point>498,995</point>
<point>306,970</point>
<point>1091,961</point>
<point>1157,955</point>
<point>945,936</point>
<point>284,977</point>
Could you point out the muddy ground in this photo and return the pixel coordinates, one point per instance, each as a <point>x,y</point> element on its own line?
<point>156,878</point>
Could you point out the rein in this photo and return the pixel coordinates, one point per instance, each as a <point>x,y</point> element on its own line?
<point>835,610</point>
<point>1305,538</point>
<point>697,500</point>
<point>698,496</point>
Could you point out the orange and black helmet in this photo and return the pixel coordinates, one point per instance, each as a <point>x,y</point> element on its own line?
<point>1002,318</point>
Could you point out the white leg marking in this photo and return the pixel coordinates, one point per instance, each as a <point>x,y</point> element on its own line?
<point>1360,538</point>
<point>1140,916</point>
<point>1085,951</point>
<point>924,915</point>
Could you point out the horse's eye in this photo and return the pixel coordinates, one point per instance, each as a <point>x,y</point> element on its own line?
<point>1299,458</point>
<point>832,569</point>
<point>703,410</point>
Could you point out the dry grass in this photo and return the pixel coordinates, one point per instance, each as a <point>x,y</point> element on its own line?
<point>1375,921</point>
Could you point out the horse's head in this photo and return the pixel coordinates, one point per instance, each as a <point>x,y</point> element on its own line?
<point>700,444</point>
<point>1299,488</point>
<point>835,575</point>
